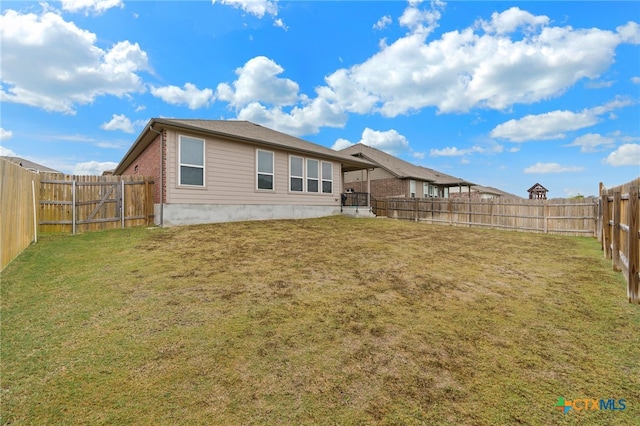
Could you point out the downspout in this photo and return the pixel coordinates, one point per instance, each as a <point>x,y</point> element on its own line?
<point>161,174</point>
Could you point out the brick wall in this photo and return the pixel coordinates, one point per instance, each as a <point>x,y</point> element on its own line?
<point>381,188</point>
<point>148,164</point>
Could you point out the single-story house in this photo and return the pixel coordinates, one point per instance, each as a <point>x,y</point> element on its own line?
<point>393,177</point>
<point>30,165</point>
<point>481,192</point>
<point>222,170</point>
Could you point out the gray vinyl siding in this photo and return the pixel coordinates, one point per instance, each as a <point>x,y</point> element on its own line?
<point>230,177</point>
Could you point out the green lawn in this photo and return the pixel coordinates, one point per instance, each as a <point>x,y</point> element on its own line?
<point>324,321</point>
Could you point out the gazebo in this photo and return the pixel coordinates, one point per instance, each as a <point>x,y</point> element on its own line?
<point>537,192</point>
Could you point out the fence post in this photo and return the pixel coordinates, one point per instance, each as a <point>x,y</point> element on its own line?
<point>491,211</point>
<point>73,206</point>
<point>545,216</point>
<point>615,230</point>
<point>633,249</point>
<point>450,212</point>
<point>599,222</point>
<point>606,230</point>
<point>122,204</point>
<point>415,209</point>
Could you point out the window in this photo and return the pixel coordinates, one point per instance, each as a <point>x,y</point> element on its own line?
<point>296,172</point>
<point>425,189</point>
<point>264,168</point>
<point>412,188</point>
<point>312,175</point>
<point>327,177</point>
<point>191,161</point>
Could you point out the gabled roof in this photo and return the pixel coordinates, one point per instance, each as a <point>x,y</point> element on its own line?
<point>538,187</point>
<point>30,165</point>
<point>238,131</point>
<point>494,191</point>
<point>403,169</point>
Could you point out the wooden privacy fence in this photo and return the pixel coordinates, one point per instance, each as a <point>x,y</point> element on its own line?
<point>85,203</point>
<point>18,212</point>
<point>556,216</point>
<point>620,224</point>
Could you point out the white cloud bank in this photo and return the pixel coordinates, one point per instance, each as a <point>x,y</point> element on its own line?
<point>515,57</point>
<point>52,64</point>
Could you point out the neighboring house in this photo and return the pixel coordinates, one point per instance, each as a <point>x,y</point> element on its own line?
<point>393,177</point>
<point>481,192</point>
<point>219,171</point>
<point>537,192</point>
<point>30,165</point>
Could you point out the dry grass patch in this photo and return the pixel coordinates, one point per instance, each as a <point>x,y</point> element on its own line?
<point>330,321</point>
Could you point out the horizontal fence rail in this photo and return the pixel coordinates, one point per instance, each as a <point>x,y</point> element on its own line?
<point>556,216</point>
<point>620,232</point>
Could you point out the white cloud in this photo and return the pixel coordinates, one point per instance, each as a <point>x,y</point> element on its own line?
<point>389,141</point>
<point>6,152</point>
<point>418,155</point>
<point>446,152</point>
<point>93,167</point>
<point>122,123</point>
<point>512,19</point>
<point>52,64</point>
<point>280,24</point>
<point>629,32</point>
<point>592,142</point>
<point>382,23</point>
<point>470,68</point>
<point>298,121</point>
<point>420,20</point>
<point>341,144</point>
<point>452,151</point>
<point>190,95</point>
<point>94,6</point>
<point>554,124</point>
<point>599,84</point>
<point>261,96</point>
<point>545,168</point>
<point>258,81</point>
<point>635,80</point>
<point>257,8</point>
<point>626,155</point>
<point>5,134</point>
<point>513,58</point>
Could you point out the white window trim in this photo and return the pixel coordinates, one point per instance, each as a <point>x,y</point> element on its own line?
<point>180,163</point>
<point>412,188</point>
<point>273,167</point>
<point>322,179</point>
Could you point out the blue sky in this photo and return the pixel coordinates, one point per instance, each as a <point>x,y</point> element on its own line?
<point>503,94</point>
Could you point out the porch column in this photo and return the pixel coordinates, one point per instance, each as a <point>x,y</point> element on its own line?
<point>368,190</point>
